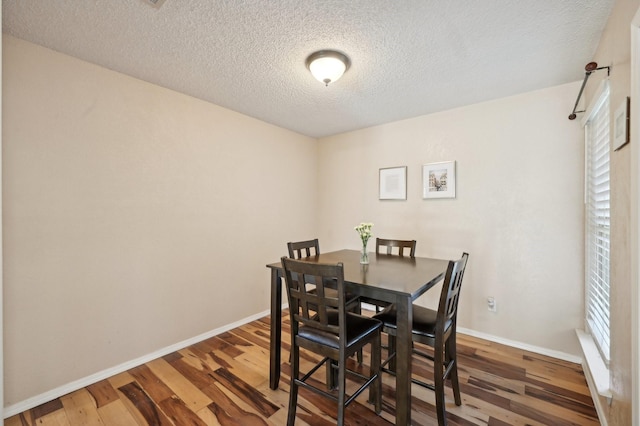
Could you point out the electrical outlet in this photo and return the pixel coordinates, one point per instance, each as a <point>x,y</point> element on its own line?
<point>491,304</point>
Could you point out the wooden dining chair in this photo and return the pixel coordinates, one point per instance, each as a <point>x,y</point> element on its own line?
<point>308,248</point>
<point>321,323</point>
<point>401,245</point>
<point>300,249</point>
<point>436,329</point>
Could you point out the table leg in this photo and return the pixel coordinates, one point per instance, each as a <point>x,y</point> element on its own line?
<point>276,329</point>
<point>403,364</point>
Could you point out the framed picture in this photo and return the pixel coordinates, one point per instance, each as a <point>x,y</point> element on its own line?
<point>621,125</point>
<point>393,183</point>
<point>439,180</point>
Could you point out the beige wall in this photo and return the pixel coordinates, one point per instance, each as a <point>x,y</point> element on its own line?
<point>614,51</point>
<point>518,207</point>
<point>134,217</point>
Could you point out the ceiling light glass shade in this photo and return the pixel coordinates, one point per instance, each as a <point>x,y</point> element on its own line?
<point>327,66</point>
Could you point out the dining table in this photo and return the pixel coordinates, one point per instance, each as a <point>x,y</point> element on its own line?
<point>388,278</point>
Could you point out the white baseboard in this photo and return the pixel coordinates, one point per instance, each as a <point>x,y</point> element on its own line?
<point>30,403</point>
<point>524,346</point>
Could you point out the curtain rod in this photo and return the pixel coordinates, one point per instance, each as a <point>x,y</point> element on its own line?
<point>589,68</point>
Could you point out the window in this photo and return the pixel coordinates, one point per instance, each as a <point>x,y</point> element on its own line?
<point>598,221</point>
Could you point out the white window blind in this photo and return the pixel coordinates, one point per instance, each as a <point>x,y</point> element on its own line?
<point>598,221</point>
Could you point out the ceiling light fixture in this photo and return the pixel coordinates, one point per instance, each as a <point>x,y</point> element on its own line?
<point>155,3</point>
<point>328,66</point>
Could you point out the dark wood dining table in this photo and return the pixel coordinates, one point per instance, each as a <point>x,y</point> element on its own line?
<point>388,278</point>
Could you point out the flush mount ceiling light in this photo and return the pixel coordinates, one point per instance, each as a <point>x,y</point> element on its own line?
<point>328,66</point>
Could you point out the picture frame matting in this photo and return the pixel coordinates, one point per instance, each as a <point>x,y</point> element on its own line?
<point>392,183</point>
<point>439,180</point>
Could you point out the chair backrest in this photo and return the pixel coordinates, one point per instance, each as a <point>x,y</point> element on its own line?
<point>300,249</point>
<point>314,308</point>
<point>450,295</point>
<point>400,244</point>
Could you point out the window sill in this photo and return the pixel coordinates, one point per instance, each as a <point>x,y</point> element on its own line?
<point>594,365</point>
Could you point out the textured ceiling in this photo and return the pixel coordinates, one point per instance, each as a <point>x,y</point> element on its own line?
<point>409,57</point>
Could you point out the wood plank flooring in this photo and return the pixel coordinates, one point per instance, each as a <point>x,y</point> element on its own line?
<point>224,381</point>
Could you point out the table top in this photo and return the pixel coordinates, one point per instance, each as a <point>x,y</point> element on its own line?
<point>385,275</point>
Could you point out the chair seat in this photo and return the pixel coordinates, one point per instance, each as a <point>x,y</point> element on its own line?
<point>358,327</point>
<point>424,320</point>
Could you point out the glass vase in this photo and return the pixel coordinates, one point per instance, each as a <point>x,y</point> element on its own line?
<point>364,256</point>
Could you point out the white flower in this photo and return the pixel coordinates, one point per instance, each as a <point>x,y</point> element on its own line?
<point>364,230</point>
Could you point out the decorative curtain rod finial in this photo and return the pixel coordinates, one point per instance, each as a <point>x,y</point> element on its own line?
<point>589,68</point>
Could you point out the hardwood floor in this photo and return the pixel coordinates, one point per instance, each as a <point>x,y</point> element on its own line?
<point>224,380</point>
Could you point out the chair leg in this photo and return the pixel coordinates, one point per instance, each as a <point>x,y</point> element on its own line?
<point>293,388</point>
<point>331,374</point>
<point>375,389</point>
<point>438,375</point>
<point>392,350</point>
<point>358,310</point>
<point>342,385</point>
<point>453,375</point>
